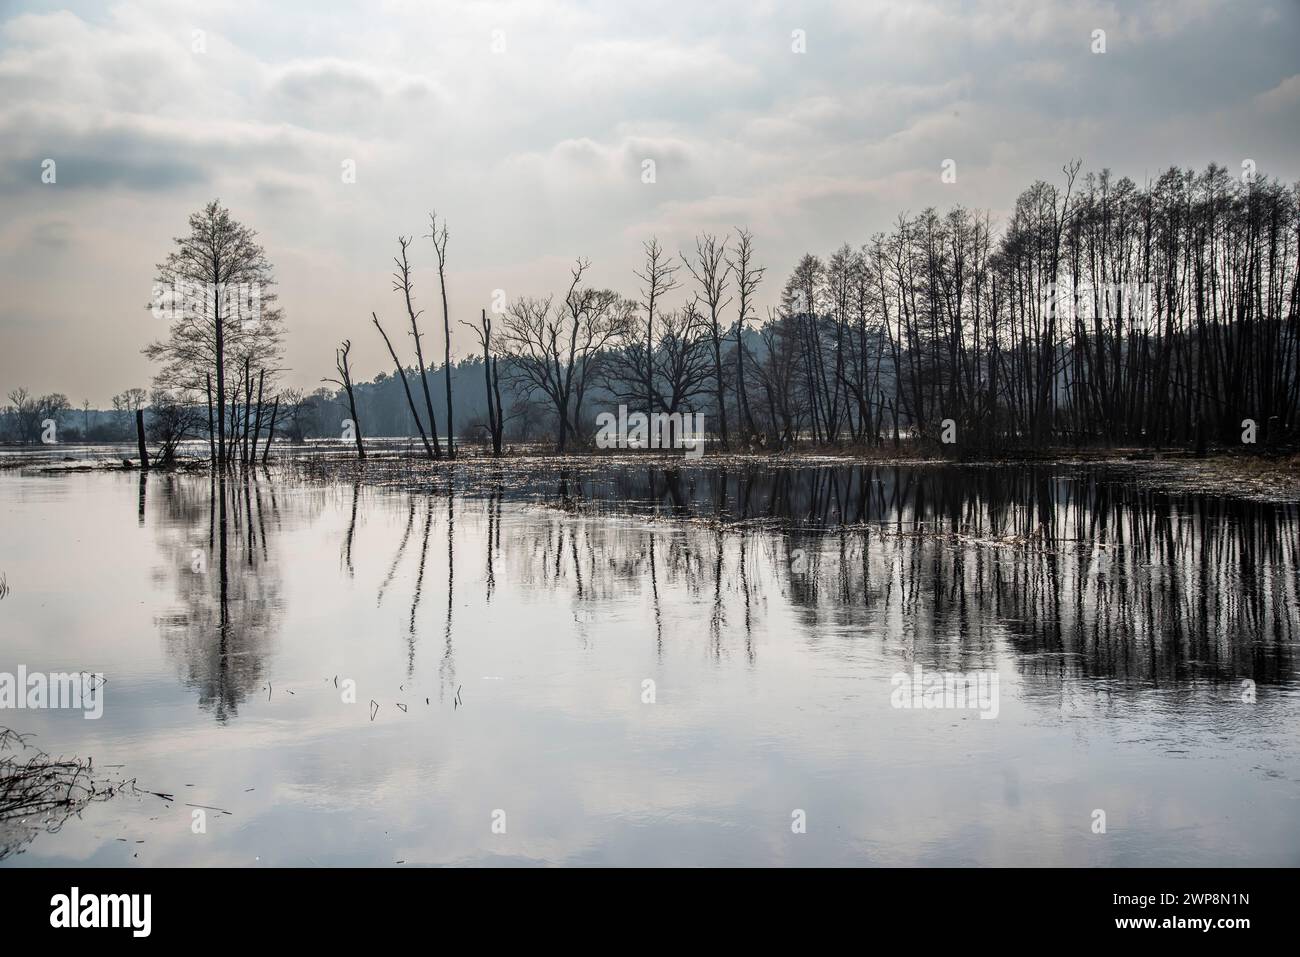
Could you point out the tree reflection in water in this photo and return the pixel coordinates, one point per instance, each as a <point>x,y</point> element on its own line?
<point>217,539</point>
<point>1081,575</point>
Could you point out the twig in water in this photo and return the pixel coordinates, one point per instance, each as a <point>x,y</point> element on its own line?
<point>209,807</point>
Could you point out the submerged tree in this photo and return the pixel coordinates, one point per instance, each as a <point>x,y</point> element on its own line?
<point>439,237</point>
<point>558,349</point>
<point>344,382</point>
<point>216,291</point>
<point>747,274</point>
<point>492,381</point>
<point>709,270</point>
<point>433,451</point>
<point>402,283</point>
<point>171,422</point>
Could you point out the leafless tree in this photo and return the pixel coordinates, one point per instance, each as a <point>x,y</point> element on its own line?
<point>125,404</point>
<point>439,237</point>
<point>216,288</point>
<point>28,413</point>
<point>172,420</point>
<point>557,349</point>
<point>709,270</point>
<point>747,275</point>
<point>659,278</point>
<point>344,382</point>
<point>492,381</point>
<point>402,283</point>
<point>433,451</point>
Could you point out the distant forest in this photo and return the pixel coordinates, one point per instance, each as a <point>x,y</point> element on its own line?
<point>1102,312</point>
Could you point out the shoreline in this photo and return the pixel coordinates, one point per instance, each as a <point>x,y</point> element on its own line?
<point>1268,476</point>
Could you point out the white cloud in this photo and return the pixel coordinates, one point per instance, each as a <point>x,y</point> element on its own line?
<point>535,154</point>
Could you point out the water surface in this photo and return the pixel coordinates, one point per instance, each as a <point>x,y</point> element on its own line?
<point>500,649</point>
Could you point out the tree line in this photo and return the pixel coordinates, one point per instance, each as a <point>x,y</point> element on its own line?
<point>1103,312</point>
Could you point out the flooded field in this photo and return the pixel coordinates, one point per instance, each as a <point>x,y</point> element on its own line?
<point>624,664</point>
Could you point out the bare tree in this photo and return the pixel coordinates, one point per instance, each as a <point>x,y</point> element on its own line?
<point>433,451</point>
<point>216,289</point>
<point>710,273</point>
<point>492,382</point>
<point>558,349</point>
<point>28,413</point>
<point>171,421</point>
<point>439,238</point>
<point>748,276</point>
<point>126,403</point>
<point>682,359</point>
<point>402,283</point>
<point>659,277</point>
<point>344,382</point>
<point>299,414</point>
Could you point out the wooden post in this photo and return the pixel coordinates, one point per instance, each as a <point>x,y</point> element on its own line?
<point>139,438</point>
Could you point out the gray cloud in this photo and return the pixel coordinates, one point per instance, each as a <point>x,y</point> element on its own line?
<point>534,154</point>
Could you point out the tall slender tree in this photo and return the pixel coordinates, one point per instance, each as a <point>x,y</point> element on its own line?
<point>439,237</point>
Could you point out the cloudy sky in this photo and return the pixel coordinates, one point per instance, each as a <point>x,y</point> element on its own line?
<point>527,125</point>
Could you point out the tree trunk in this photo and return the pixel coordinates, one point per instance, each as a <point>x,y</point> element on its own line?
<point>433,451</point>
<point>270,432</point>
<point>139,438</point>
<point>257,428</point>
<point>212,438</point>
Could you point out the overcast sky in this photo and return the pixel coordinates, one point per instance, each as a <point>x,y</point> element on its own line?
<point>527,125</point>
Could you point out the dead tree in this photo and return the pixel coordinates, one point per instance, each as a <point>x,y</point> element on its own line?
<point>439,238</point>
<point>344,381</point>
<point>257,427</point>
<point>212,436</point>
<point>496,418</point>
<point>270,432</point>
<point>434,452</point>
<point>402,284</point>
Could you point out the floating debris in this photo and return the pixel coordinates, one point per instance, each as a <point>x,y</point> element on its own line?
<point>34,785</point>
<point>209,807</point>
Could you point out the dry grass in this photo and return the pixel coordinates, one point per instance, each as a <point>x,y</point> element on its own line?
<point>38,793</point>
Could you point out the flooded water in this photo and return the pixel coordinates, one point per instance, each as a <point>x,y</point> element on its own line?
<point>672,667</point>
